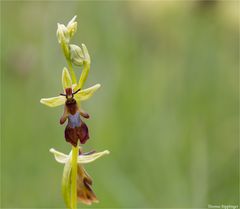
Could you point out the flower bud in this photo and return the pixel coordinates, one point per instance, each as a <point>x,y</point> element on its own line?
<point>62,34</point>
<point>76,54</point>
<point>72,26</point>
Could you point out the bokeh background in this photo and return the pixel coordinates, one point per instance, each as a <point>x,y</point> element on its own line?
<point>167,109</point>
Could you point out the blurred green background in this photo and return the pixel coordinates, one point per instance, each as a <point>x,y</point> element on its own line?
<point>167,109</point>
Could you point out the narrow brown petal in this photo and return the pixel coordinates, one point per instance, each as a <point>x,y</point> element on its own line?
<point>84,191</point>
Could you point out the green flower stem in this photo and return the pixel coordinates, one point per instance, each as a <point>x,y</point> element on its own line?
<point>71,71</point>
<point>66,53</point>
<point>65,49</point>
<point>75,151</point>
<point>84,74</point>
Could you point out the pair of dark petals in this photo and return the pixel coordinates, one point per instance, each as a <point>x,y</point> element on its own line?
<point>72,135</point>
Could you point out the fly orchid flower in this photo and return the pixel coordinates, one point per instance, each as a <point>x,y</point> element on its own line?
<point>76,183</point>
<point>67,84</point>
<point>85,193</point>
<point>76,128</point>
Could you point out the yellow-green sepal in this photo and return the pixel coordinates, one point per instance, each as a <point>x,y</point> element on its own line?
<point>86,93</point>
<point>53,101</point>
<point>66,79</point>
<point>83,159</point>
<point>59,156</point>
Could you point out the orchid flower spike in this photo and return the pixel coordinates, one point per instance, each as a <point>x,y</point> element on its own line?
<point>76,182</point>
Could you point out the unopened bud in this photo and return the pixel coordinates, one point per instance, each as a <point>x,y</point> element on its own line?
<point>62,34</point>
<point>72,26</point>
<point>76,55</point>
